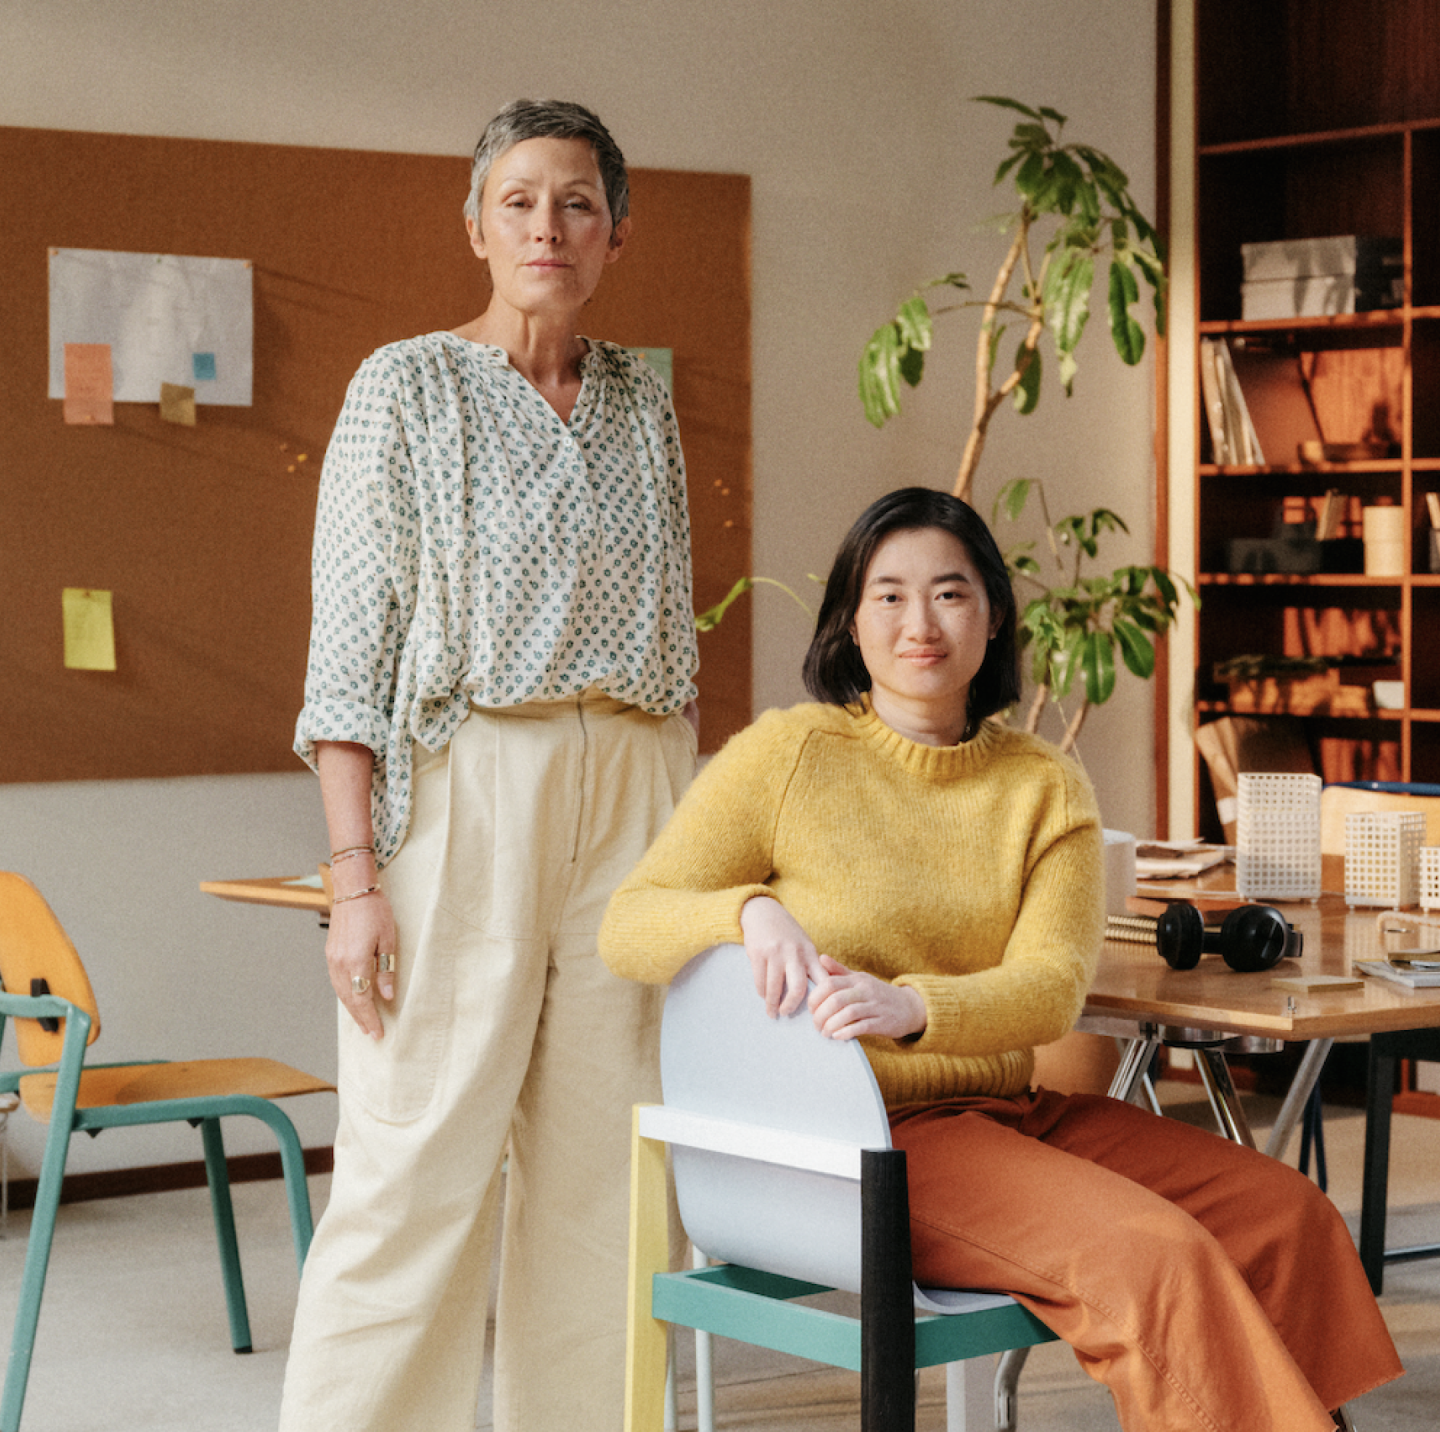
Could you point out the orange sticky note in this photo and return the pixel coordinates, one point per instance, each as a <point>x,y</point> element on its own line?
<point>89,629</point>
<point>89,384</point>
<point>177,404</point>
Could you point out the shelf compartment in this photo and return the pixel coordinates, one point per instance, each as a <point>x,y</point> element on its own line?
<point>1424,207</point>
<point>1425,653</point>
<point>1259,195</point>
<point>1357,750</point>
<point>1361,623</point>
<point>1283,69</point>
<point>1344,383</point>
<point>1425,390</point>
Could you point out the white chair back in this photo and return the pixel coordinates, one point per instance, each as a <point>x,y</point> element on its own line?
<point>722,1055</point>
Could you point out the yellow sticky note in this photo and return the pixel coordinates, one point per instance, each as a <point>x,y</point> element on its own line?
<point>89,384</point>
<point>89,629</point>
<point>177,404</point>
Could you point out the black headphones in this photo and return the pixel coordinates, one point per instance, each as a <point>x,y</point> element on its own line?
<point>1251,937</point>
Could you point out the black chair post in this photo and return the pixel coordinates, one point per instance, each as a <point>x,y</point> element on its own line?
<point>887,1300</point>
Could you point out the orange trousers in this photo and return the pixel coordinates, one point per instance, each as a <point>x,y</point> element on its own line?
<point>1207,1285</point>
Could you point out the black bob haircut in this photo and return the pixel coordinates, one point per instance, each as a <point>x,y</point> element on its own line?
<point>833,669</point>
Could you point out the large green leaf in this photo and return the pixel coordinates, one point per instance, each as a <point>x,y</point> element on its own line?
<point>1128,335</point>
<point>914,324</point>
<point>1012,497</point>
<point>1070,183</point>
<point>1030,175</point>
<point>880,375</point>
<point>1097,661</point>
<point>1136,648</point>
<point>1068,299</point>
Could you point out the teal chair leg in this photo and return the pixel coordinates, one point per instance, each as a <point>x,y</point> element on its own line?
<point>42,1221</point>
<point>292,1164</point>
<point>217,1174</point>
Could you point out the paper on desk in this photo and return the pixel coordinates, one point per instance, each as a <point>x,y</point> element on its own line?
<point>1177,859</point>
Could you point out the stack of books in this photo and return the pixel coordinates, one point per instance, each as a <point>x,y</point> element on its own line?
<point>1233,440</point>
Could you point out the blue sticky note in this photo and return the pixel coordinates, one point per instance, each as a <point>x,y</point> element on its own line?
<point>204,366</point>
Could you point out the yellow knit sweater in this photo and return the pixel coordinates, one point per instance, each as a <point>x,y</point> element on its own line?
<point>972,873</point>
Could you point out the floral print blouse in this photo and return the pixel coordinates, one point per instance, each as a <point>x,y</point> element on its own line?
<point>472,547</point>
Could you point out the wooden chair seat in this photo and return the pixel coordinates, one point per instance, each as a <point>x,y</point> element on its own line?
<point>124,1084</point>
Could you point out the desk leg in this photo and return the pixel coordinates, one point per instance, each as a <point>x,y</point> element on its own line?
<point>1301,1087</point>
<point>1215,1076</point>
<point>1133,1067</point>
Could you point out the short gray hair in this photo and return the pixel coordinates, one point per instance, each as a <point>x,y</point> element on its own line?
<point>524,119</point>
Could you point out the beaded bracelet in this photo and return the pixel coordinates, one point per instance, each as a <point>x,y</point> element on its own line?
<point>341,899</point>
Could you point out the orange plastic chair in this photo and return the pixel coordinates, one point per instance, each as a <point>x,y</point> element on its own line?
<point>48,995</point>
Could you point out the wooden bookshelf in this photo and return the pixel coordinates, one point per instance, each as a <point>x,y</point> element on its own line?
<point>1317,118</point>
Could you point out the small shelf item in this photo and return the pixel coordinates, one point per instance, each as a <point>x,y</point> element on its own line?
<point>1308,278</point>
<point>1382,857</point>
<point>1430,877</point>
<point>1277,836</point>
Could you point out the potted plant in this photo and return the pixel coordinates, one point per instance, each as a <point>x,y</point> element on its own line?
<point>1075,214</point>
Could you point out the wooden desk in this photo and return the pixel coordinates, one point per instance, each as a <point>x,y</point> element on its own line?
<point>1133,982</point>
<point>1138,996</point>
<point>279,891</point>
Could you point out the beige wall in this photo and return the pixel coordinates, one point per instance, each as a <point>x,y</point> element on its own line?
<point>869,168</point>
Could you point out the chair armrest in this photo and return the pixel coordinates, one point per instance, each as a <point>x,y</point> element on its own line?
<point>750,1141</point>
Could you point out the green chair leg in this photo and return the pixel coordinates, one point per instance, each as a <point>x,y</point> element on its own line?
<point>42,1221</point>
<point>217,1174</point>
<point>292,1164</point>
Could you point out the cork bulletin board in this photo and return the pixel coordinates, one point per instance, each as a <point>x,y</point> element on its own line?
<point>203,533</point>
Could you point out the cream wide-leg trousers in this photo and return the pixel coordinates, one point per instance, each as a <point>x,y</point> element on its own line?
<point>507,1034</point>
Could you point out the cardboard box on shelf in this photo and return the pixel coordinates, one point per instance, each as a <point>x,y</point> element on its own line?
<point>1313,278</point>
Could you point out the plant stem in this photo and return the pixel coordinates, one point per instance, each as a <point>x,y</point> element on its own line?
<point>1040,701</point>
<point>790,591</point>
<point>1037,708</point>
<point>1072,731</point>
<point>987,402</point>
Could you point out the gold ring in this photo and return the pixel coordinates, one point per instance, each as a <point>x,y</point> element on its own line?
<point>359,984</point>
<point>385,964</point>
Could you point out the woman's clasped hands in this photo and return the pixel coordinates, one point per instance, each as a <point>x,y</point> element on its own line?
<point>844,1003</point>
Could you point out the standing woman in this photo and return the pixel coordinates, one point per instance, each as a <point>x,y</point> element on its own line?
<point>501,664</point>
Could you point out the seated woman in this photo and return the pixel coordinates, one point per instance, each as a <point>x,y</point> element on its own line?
<point>937,877</point>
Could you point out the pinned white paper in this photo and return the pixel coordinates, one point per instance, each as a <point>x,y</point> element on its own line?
<point>167,319</point>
